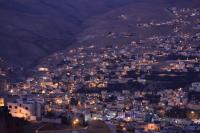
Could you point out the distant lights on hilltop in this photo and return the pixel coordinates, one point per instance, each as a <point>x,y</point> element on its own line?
<point>43,69</point>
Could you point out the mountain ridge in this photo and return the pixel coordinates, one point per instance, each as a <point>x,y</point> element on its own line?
<point>33,29</point>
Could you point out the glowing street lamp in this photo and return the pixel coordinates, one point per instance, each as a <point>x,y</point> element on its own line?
<point>193,115</point>
<point>95,118</point>
<point>124,129</point>
<point>192,112</point>
<point>75,122</point>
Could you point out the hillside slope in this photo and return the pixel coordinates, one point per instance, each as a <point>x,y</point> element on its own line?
<point>31,29</point>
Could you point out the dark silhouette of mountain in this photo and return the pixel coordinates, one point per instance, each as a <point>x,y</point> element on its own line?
<point>31,29</point>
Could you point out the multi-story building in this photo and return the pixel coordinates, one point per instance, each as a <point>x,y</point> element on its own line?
<point>30,109</point>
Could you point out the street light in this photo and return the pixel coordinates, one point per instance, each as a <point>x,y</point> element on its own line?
<point>75,122</point>
<point>95,118</point>
<point>124,129</point>
<point>193,115</point>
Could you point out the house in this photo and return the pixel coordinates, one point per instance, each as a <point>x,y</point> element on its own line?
<point>30,109</point>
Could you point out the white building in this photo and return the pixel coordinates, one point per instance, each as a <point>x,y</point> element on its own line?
<point>30,109</point>
<point>195,86</point>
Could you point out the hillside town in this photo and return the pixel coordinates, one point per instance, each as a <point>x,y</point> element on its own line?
<point>150,85</point>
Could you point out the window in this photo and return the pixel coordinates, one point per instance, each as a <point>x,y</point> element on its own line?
<point>26,108</point>
<point>15,107</point>
<point>10,106</point>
